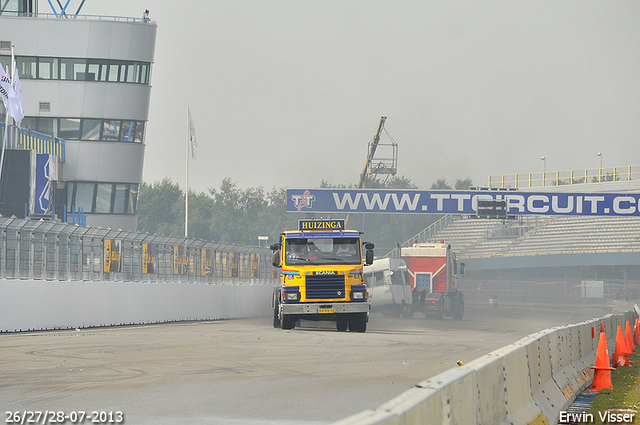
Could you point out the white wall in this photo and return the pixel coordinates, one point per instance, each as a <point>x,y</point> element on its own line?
<point>38,305</point>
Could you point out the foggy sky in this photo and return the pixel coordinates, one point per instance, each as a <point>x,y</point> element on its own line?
<point>286,93</point>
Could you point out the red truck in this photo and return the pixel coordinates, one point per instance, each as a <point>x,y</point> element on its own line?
<point>434,272</point>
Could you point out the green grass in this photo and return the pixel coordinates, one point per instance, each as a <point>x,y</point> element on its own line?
<point>625,393</point>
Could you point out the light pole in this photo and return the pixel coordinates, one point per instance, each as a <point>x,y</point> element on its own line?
<point>544,171</point>
<point>600,171</point>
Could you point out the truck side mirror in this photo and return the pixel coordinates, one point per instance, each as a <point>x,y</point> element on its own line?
<point>274,247</point>
<point>368,257</point>
<point>275,259</point>
<point>462,269</point>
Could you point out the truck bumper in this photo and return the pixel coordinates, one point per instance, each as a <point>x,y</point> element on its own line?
<point>325,308</point>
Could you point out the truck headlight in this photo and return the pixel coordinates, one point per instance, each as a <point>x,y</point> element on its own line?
<point>291,296</point>
<point>357,295</point>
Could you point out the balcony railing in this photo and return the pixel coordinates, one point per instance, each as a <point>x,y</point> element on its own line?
<point>22,138</point>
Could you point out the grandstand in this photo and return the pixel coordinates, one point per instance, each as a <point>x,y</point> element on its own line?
<point>533,257</point>
<point>483,238</point>
<point>473,237</point>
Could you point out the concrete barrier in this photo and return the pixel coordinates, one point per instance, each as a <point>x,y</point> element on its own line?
<point>40,305</point>
<point>529,381</point>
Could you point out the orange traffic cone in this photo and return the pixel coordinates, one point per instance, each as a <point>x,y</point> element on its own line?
<point>621,356</point>
<point>636,333</point>
<point>602,374</point>
<point>629,338</point>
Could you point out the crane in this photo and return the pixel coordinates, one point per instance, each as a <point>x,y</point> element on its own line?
<point>376,165</point>
<point>373,146</point>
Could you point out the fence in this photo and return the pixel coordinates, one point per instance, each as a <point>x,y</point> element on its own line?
<point>31,249</point>
<point>568,177</point>
<point>425,235</point>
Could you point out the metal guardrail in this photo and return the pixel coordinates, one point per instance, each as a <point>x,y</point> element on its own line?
<point>31,249</point>
<point>71,15</point>
<point>423,236</point>
<point>21,138</point>
<point>567,177</point>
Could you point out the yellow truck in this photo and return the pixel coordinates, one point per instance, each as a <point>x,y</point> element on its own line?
<point>321,276</point>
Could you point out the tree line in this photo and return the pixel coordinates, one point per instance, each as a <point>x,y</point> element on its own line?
<point>234,215</point>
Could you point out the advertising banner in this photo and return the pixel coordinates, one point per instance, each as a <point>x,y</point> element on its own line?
<point>255,264</point>
<point>205,262</point>
<point>233,264</point>
<point>179,260</point>
<point>112,255</point>
<point>460,202</point>
<point>43,184</point>
<point>149,256</point>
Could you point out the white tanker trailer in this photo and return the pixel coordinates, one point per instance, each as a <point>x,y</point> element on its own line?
<point>389,286</point>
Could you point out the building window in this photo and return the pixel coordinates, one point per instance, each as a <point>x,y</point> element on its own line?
<point>91,129</point>
<point>131,73</point>
<point>47,69</point>
<point>70,189</point>
<point>102,198</point>
<point>111,130</point>
<point>83,197</point>
<point>46,126</point>
<point>69,129</point>
<point>87,129</point>
<point>139,132</point>
<point>74,69</point>
<point>120,199</point>
<point>16,8</point>
<point>128,131</point>
<point>132,205</point>
<point>27,66</point>
<point>114,69</point>
<point>29,123</point>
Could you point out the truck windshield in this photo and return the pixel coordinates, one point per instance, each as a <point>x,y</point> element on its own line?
<point>319,251</point>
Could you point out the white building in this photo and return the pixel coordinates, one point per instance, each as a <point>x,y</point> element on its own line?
<point>86,79</point>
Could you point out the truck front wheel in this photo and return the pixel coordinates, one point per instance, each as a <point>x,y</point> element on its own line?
<point>288,322</point>
<point>407,312</point>
<point>341,325</point>
<point>276,317</point>
<point>358,322</point>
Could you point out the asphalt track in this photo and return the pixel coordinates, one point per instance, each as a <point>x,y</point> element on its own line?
<point>245,371</point>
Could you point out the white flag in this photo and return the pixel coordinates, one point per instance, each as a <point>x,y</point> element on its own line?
<point>9,97</point>
<point>18,90</point>
<point>192,137</point>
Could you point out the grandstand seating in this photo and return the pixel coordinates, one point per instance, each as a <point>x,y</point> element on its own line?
<point>483,238</point>
<point>472,237</point>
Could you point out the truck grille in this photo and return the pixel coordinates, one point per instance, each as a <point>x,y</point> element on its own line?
<point>325,287</point>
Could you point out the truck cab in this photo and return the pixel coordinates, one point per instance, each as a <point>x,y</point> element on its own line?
<point>321,276</point>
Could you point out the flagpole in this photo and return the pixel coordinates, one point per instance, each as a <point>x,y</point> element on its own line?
<point>186,195</point>
<point>6,122</point>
